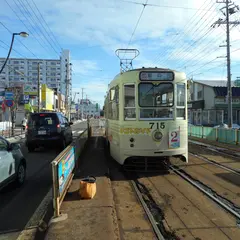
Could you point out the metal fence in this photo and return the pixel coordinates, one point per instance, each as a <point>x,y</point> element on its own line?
<point>63,170</point>
<point>230,136</point>
<point>206,117</point>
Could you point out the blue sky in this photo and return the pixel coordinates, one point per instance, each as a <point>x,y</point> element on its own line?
<point>173,34</point>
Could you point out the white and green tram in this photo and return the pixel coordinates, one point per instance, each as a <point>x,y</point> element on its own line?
<point>146,116</point>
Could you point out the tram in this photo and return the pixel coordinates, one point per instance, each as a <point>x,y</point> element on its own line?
<point>146,116</point>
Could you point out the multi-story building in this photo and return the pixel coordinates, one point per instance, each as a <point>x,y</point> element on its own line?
<point>208,102</point>
<point>53,72</point>
<point>89,108</point>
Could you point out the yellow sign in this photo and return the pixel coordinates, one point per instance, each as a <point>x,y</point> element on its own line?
<point>135,130</point>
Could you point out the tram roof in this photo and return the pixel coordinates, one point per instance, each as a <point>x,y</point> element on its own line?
<point>116,78</point>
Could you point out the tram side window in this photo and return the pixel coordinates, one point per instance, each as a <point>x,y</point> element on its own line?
<point>129,102</point>
<point>180,108</point>
<point>113,110</point>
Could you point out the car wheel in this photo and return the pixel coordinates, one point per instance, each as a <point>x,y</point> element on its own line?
<point>21,174</point>
<point>31,148</point>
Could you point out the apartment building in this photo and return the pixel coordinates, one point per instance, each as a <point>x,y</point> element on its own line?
<point>22,71</point>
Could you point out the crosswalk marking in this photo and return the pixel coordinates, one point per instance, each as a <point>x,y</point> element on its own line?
<point>73,132</point>
<point>80,132</point>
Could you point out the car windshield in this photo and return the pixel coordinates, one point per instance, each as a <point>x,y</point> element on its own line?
<point>43,120</point>
<point>151,95</point>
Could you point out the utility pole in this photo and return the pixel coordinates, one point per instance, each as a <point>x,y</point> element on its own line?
<point>82,105</point>
<point>67,85</point>
<point>38,88</point>
<point>231,8</point>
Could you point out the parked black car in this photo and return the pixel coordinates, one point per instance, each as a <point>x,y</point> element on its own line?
<point>48,129</point>
<point>12,163</point>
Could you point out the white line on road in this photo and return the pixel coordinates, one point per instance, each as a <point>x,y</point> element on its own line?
<point>80,132</point>
<point>31,227</point>
<point>73,132</point>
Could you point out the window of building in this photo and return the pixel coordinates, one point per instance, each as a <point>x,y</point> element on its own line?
<point>53,63</point>
<point>15,62</point>
<point>200,94</point>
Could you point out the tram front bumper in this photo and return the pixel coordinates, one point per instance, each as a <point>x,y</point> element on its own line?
<point>153,152</point>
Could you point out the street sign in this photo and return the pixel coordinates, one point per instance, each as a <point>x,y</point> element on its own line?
<point>9,96</point>
<point>9,103</point>
<point>26,97</point>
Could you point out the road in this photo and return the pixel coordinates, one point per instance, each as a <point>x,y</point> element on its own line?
<point>18,205</point>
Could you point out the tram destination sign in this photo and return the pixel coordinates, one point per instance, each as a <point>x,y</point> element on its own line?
<point>156,76</point>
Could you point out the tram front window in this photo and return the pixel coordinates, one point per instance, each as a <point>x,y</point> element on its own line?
<point>156,100</point>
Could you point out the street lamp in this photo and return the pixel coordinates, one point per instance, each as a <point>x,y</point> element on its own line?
<point>22,34</point>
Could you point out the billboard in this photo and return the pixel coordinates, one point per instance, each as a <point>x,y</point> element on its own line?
<point>30,89</point>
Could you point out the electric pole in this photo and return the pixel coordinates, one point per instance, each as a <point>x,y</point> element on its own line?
<point>82,104</point>
<point>67,85</point>
<point>231,8</point>
<point>38,88</point>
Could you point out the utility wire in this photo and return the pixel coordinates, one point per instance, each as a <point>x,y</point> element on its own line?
<point>184,32</point>
<point>18,39</point>
<point>186,45</point>
<point>35,23</point>
<point>12,49</point>
<point>165,6</point>
<point>46,24</point>
<point>38,20</point>
<point>144,5</point>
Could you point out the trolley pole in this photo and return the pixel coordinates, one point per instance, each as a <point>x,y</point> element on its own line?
<point>38,88</point>
<point>230,8</point>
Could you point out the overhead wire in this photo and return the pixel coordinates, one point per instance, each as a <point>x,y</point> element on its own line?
<point>12,49</point>
<point>46,37</point>
<point>28,29</point>
<point>28,16</point>
<point>201,50</point>
<point>185,45</point>
<point>165,6</point>
<point>135,28</point>
<point>184,32</point>
<point>46,24</point>
<point>18,39</point>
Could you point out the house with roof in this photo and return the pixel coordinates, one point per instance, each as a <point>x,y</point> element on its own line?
<point>208,102</point>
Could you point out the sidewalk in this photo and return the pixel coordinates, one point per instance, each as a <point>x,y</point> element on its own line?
<point>88,219</point>
<point>18,134</point>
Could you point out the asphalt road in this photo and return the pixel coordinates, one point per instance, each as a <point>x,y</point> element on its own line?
<point>17,205</point>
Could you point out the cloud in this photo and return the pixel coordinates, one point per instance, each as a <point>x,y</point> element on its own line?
<point>84,66</point>
<point>166,37</point>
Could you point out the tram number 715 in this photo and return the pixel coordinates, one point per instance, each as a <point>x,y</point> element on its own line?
<point>159,125</point>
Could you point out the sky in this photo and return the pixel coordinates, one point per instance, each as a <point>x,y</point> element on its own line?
<point>177,34</point>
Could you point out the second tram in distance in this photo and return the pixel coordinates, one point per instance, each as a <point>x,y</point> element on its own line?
<point>146,116</point>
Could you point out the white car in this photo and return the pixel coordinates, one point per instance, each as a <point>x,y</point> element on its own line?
<point>12,163</point>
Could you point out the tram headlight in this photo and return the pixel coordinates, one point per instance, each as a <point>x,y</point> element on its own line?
<point>157,136</point>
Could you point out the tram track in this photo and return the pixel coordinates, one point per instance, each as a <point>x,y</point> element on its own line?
<point>215,163</point>
<point>153,211</point>
<point>210,193</point>
<point>222,150</point>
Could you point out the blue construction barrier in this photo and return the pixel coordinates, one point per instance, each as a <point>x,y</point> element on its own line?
<point>230,136</point>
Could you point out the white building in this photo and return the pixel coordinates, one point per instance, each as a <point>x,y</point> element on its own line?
<point>89,108</point>
<point>53,72</point>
